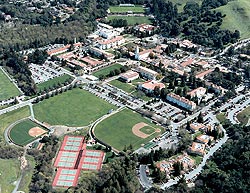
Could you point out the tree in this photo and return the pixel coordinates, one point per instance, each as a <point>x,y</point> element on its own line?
<point>200,118</point>
<point>178,166</point>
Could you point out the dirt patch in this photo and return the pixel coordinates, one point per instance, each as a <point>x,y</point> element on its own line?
<point>136,130</point>
<point>36,131</point>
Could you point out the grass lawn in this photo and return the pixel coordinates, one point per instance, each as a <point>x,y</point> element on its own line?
<point>132,20</point>
<point>197,159</point>
<point>221,117</point>
<point>75,107</point>
<point>7,88</point>
<point>244,116</point>
<point>50,83</point>
<point>105,71</point>
<point>25,182</point>
<point>11,117</point>
<point>237,17</point>
<point>117,130</point>
<point>147,130</point>
<point>140,94</point>
<point>117,9</point>
<point>10,171</point>
<point>123,86</point>
<point>20,132</point>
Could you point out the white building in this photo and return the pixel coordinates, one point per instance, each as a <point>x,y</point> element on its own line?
<point>143,54</point>
<point>129,76</point>
<point>198,92</point>
<point>181,101</point>
<point>150,85</point>
<point>107,44</point>
<point>147,73</point>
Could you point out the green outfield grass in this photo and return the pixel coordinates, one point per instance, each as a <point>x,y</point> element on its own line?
<point>132,20</point>
<point>75,107</point>
<point>11,117</point>
<point>19,134</point>
<point>244,116</point>
<point>7,88</point>
<point>117,9</point>
<point>105,71</point>
<point>117,130</point>
<point>55,81</point>
<point>123,86</point>
<point>237,17</point>
<point>10,171</point>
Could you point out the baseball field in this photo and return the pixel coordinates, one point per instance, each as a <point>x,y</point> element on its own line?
<point>25,132</point>
<point>126,127</point>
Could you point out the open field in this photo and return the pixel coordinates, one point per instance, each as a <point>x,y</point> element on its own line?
<point>11,117</point>
<point>237,17</point>
<point>73,108</point>
<point>55,81</point>
<point>118,9</point>
<point>19,134</point>
<point>117,130</point>
<point>10,171</point>
<point>123,86</point>
<point>132,20</point>
<point>7,89</point>
<point>105,71</point>
<point>244,116</point>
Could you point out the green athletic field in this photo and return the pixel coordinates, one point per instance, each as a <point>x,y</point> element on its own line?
<point>75,107</point>
<point>116,130</point>
<point>244,116</point>
<point>19,134</point>
<point>11,117</point>
<point>132,20</point>
<point>123,86</point>
<point>9,173</point>
<point>55,81</point>
<point>7,88</point>
<point>105,71</point>
<point>117,9</point>
<point>237,17</point>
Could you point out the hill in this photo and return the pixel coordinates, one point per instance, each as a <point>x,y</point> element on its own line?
<point>237,17</point>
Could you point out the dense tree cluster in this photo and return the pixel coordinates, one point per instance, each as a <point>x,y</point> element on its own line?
<point>118,176</point>
<point>42,177</point>
<point>8,152</point>
<point>17,68</point>
<point>37,57</point>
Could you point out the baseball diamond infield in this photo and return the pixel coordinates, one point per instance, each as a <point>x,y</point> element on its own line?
<point>25,132</point>
<point>126,127</point>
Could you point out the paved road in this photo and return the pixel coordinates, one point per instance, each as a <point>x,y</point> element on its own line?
<point>144,180</point>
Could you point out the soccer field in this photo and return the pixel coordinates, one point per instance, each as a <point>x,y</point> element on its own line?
<point>132,20</point>
<point>118,9</point>
<point>75,107</point>
<point>7,88</point>
<point>105,71</point>
<point>117,130</point>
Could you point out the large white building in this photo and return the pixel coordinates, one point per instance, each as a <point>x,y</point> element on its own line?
<point>110,43</point>
<point>150,85</point>
<point>129,76</point>
<point>147,73</point>
<point>181,101</point>
<point>198,92</point>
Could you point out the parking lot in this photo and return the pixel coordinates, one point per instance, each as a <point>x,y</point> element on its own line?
<point>45,72</point>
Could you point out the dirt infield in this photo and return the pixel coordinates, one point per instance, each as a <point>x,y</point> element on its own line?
<point>36,131</point>
<point>136,130</point>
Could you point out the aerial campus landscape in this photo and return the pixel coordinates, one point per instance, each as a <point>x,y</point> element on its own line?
<point>124,96</point>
